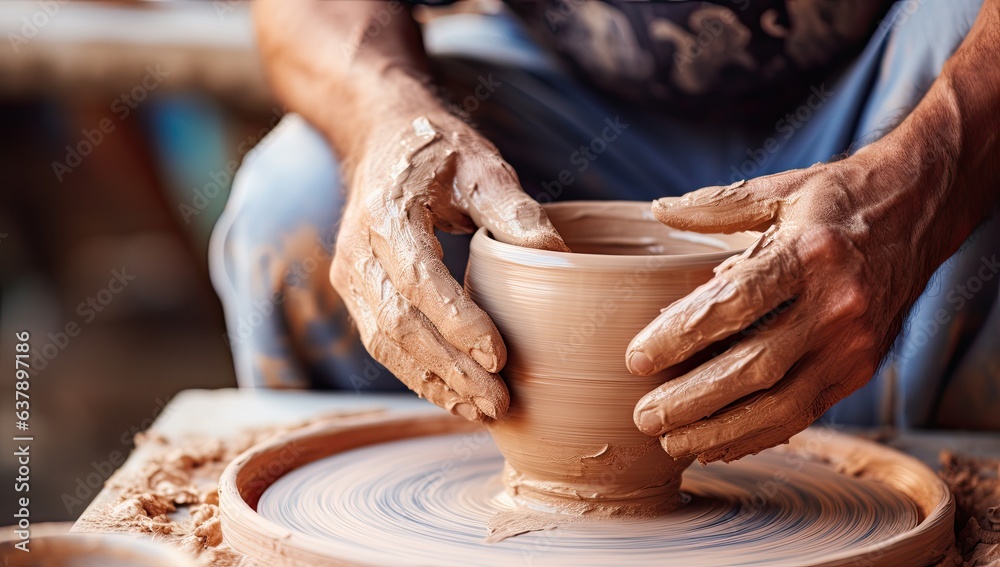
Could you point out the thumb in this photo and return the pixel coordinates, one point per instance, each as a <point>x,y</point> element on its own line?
<point>726,209</point>
<point>498,202</point>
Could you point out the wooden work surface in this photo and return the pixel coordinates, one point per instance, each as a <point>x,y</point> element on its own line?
<point>224,414</point>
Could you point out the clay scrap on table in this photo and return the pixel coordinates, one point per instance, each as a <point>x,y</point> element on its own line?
<point>174,495</point>
<point>975,482</point>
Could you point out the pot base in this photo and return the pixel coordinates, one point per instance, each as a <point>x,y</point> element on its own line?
<point>562,499</point>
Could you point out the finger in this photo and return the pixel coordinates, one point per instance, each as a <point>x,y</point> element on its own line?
<point>405,367</point>
<point>727,209</point>
<point>411,255</point>
<point>773,416</point>
<point>446,215</point>
<point>423,382</point>
<point>747,446</point>
<point>741,291</point>
<point>413,332</point>
<point>493,197</point>
<point>755,363</point>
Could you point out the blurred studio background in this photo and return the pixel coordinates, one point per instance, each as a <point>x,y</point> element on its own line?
<point>122,124</point>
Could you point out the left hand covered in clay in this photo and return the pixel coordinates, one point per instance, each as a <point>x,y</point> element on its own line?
<point>838,282</point>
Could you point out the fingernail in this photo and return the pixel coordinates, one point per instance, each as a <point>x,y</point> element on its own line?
<point>677,445</point>
<point>639,363</point>
<point>486,406</point>
<point>486,360</point>
<point>466,410</point>
<point>664,205</point>
<point>649,421</point>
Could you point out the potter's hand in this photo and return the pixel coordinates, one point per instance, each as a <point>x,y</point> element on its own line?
<point>414,174</point>
<point>827,285</point>
<point>847,249</point>
<point>409,166</point>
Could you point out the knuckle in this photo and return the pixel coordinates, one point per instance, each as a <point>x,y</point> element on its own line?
<point>823,244</point>
<point>754,365</point>
<point>372,206</point>
<point>791,410</point>
<point>824,401</point>
<point>800,422</point>
<point>378,346</point>
<point>868,368</point>
<point>390,320</point>
<point>760,377</point>
<point>339,276</point>
<point>863,340</point>
<point>851,299</point>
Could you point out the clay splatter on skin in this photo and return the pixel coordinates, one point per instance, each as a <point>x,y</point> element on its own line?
<point>412,315</point>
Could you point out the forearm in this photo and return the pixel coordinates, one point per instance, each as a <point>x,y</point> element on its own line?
<point>343,64</point>
<point>939,170</point>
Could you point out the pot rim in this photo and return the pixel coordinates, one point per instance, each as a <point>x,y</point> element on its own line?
<point>485,243</point>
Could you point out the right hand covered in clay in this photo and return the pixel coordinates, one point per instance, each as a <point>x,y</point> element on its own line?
<point>415,172</point>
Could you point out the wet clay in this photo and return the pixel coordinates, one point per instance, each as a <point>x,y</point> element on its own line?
<point>975,482</point>
<point>412,315</point>
<point>567,318</point>
<point>421,490</point>
<point>174,497</point>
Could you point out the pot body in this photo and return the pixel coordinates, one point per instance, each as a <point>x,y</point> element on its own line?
<point>568,439</point>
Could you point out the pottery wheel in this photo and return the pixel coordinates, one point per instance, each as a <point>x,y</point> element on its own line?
<point>428,500</point>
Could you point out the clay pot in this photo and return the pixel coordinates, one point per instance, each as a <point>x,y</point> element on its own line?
<point>568,439</point>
